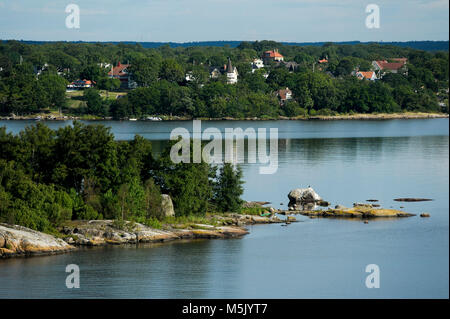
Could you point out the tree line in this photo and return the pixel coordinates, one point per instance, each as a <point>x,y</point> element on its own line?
<point>80,172</point>
<point>164,90</point>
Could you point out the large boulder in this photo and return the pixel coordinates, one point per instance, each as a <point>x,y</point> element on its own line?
<point>167,206</point>
<point>18,240</point>
<point>303,195</point>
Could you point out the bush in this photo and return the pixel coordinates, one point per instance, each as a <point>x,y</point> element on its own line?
<point>153,222</point>
<point>326,112</point>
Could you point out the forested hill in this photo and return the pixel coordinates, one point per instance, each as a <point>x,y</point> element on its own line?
<point>263,79</point>
<point>419,45</point>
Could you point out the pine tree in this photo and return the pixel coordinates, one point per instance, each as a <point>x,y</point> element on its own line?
<point>228,188</point>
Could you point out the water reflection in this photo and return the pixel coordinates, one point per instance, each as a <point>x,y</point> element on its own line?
<point>345,162</point>
<point>347,149</point>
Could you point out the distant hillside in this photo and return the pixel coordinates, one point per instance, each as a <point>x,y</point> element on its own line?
<point>419,45</point>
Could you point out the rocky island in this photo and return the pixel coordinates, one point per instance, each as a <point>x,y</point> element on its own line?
<point>304,201</point>
<point>16,241</point>
<point>363,211</point>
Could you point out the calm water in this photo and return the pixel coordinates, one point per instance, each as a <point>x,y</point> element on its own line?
<point>345,162</point>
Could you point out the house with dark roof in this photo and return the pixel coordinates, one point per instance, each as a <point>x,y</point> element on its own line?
<point>291,65</point>
<point>232,73</point>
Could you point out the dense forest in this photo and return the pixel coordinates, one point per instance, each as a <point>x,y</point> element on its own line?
<point>33,78</point>
<point>80,172</point>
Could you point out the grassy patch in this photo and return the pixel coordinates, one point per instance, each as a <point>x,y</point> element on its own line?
<point>253,210</point>
<point>154,223</point>
<point>190,221</point>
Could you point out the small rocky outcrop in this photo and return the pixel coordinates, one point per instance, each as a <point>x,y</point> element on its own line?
<point>304,197</point>
<point>167,206</point>
<point>21,241</point>
<point>413,199</point>
<point>236,219</point>
<point>358,212</point>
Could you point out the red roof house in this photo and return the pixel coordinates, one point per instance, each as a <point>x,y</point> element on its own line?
<point>369,75</point>
<point>273,55</point>
<point>284,95</point>
<point>120,71</point>
<point>382,67</point>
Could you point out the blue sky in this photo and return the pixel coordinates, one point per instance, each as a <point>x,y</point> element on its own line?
<point>203,20</point>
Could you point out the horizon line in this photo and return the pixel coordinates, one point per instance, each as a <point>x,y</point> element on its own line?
<point>200,41</point>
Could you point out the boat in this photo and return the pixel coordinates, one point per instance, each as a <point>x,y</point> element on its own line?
<point>153,118</point>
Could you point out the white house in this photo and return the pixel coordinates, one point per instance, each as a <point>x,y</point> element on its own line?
<point>257,64</point>
<point>104,65</point>
<point>214,73</point>
<point>232,73</point>
<point>190,77</point>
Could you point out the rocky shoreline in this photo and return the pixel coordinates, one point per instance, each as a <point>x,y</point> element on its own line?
<point>358,116</point>
<point>385,116</point>
<point>18,241</point>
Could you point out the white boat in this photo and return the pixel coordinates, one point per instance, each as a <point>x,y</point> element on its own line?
<point>153,118</point>
<point>132,119</point>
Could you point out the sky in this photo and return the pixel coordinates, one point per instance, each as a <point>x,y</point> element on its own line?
<point>214,20</point>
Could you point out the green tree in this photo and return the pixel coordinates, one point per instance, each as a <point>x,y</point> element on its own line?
<point>188,184</point>
<point>145,70</point>
<point>55,86</point>
<point>228,189</point>
<point>171,71</point>
<point>95,103</point>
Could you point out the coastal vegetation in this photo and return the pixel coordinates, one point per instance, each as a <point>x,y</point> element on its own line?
<point>179,82</point>
<point>79,172</point>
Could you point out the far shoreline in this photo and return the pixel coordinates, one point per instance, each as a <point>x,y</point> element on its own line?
<point>343,117</point>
